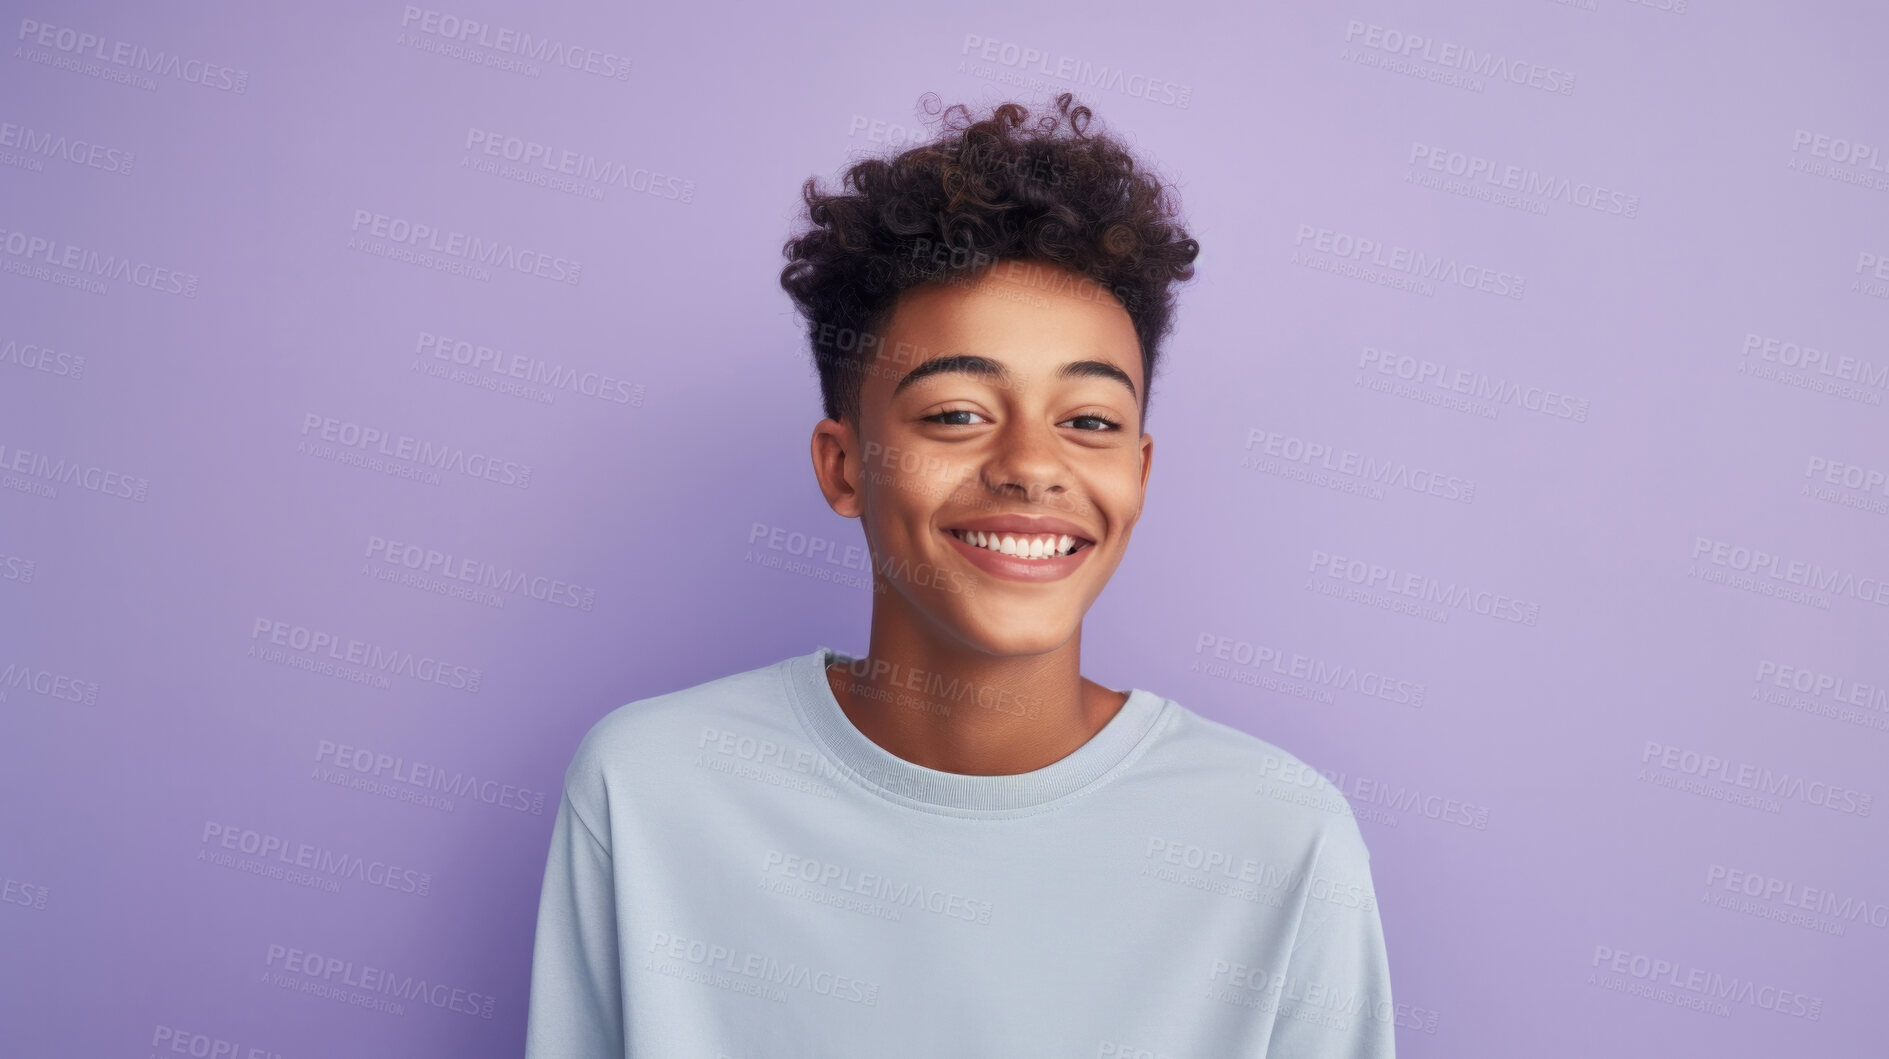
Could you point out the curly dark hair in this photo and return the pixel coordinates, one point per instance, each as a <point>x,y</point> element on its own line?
<point>981,191</point>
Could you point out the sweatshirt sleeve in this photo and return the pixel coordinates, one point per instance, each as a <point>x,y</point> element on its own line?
<point>1334,1001</point>
<point>576,1005</point>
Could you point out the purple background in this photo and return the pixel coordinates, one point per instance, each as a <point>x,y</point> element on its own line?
<point>1526,819</point>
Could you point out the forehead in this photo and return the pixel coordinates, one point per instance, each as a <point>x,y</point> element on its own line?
<point>1026,314</point>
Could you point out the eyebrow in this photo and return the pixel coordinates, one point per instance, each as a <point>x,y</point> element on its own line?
<point>984,367</point>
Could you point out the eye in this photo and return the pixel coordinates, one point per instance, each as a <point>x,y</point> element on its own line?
<point>944,419</point>
<point>1107,423</point>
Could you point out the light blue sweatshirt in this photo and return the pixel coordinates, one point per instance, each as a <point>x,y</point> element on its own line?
<point>737,872</point>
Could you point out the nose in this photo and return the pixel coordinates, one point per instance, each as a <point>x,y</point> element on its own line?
<point>1028,463</point>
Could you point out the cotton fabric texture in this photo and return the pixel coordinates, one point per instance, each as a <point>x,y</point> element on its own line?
<point>737,872</point>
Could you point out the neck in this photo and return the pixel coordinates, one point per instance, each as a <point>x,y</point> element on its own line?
<point>951,706</point>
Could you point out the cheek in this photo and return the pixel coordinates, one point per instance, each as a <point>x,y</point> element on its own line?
<point>1116,493</point>
<point>916,483</point>
<point>892,515</point>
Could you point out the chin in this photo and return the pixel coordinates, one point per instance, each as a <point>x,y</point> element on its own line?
<point>1017,635</point>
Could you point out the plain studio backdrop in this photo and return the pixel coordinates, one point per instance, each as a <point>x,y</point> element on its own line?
<point>1521,465</point>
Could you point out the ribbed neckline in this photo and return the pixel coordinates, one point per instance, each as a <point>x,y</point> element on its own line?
<point>1108,752</point>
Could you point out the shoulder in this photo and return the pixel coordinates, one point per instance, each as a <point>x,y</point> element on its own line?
<point>1227,754</point>
<point>1263,791</point>
<point>652,734</point>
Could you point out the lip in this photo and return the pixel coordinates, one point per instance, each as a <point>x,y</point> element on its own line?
<point>1010,568</point>
<point>1033,525</point>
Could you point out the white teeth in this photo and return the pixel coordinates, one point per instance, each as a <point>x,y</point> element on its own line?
<point>1048,546</point>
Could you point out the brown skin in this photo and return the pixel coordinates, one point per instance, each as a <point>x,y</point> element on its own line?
<point>1032,443</point>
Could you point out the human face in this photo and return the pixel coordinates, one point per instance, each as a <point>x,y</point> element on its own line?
<point>1006,405</point>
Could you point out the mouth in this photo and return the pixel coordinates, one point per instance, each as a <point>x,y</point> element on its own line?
<point>1025,546</point>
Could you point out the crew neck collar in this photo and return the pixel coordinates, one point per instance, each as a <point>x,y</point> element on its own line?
<point>1108,751</point>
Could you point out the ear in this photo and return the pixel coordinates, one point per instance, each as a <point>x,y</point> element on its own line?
<point>1147,459</point>
<point>836,466</point>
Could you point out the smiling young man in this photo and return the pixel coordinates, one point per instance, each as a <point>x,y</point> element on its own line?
<point>955,844</point>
